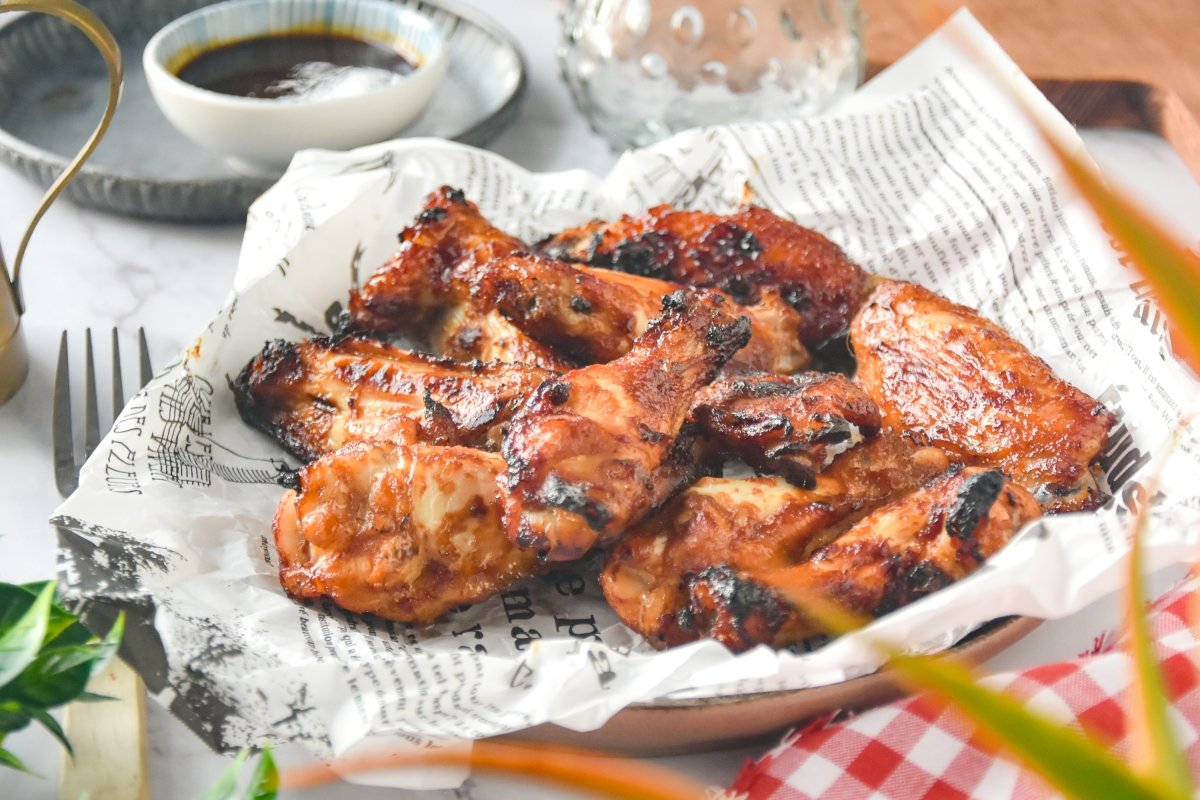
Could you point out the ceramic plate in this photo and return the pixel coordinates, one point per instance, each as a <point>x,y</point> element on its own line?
<point>53,86</point>
<point>676,727</point>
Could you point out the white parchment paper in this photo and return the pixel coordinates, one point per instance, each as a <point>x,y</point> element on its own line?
<point>929,174</point>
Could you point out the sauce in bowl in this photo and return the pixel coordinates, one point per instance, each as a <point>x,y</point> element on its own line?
<point>296,66</point>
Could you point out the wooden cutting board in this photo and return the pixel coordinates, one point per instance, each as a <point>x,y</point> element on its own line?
<point>1103,63</point>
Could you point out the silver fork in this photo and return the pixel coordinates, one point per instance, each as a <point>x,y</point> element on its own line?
<point>66,467</point>
<point>109,738</point>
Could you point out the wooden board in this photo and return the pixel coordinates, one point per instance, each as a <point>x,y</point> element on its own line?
<point>1103,64</point>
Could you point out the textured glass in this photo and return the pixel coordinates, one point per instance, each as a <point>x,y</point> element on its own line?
<point>642,70</point>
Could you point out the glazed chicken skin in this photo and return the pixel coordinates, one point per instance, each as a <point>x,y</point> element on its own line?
<point>944,373</point>
<point>791,426</point>
<point>910,548</point>
<point>592,315</point>
<point>742,254</point>
<point>593,451</point>
<point>471,332</point>
<point>407,532</point>
<point>448,239</point>
<point>315,396</point>
<point>749,524</point>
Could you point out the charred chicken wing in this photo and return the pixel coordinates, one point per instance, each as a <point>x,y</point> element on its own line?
<point>597,448</point>
<point>593,315</point>
<point>407,532</point>
<point>742,254</point>
<point>425,276</point>
<point>315,396</point>
<point>744,524</point>
<point>900,553</point>
<point>790,426</point>
<point>471,332</point>
<point>946,374</point>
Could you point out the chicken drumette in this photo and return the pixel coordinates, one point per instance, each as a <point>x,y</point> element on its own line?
<point>594,315</point>
<point>407,532</point>
<point>597,448</point>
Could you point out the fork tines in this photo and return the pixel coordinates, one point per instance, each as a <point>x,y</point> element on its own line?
<point>66,465</point>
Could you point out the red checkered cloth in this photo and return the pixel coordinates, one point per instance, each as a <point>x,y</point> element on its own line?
<point>918,748</point>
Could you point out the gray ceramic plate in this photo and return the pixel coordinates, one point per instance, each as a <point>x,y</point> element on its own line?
<point>53,85</point>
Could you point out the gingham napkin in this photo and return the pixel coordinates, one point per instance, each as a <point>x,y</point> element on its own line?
<point>918,748</point>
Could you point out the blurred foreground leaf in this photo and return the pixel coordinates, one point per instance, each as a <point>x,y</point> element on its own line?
<point>46,660</point>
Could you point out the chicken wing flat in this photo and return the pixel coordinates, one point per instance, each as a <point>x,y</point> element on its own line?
<point>745,524</point>
<point>425,276</point>
<point>315,396</point>
<point>900,553</point>
<point>593,451</point>
<point>407,532</point>
<point>792,426</point>
<point>943,372</point>
<point>471,332</point>
<point>593,316</point>
<point>742,254</point>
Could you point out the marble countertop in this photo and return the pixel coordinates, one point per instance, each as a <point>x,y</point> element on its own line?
<point>87,268</point>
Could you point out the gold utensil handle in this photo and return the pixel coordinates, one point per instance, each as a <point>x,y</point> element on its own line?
<point>86,21</point>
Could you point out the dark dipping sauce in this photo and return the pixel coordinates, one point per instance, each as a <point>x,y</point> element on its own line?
<point>296,66</point>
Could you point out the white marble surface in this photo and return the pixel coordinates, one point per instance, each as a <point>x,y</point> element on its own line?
<point>92,269</point>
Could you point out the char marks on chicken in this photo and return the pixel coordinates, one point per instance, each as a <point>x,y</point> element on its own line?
<point>744,254</point>
<point>594,450</point>
<point>315,396</point>
<point>750,524</point>
<point>899,553</point>
<point>594,315</point>
<point>792,426</point>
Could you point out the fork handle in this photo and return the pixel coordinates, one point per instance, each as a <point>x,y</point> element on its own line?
<point>109,738</point>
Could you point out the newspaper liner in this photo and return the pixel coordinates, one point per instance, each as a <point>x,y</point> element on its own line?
<point>929,174</point>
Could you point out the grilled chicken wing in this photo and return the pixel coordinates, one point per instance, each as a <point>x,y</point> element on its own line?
<point>742,254</point>
<point>425,276</point>
<point>407,532</point>
<point>898,554</point>
<point>594,316</point>
<point>593,451</point>
<point>749,524</point>
<point>315,396</point>
<point>943,372</point>
<point>790,426</point>
<point>471,332</point>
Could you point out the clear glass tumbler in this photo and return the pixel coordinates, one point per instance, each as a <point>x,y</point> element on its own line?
<point>641,70</point>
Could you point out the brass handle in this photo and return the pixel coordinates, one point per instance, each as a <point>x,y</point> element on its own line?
<point>94,29</point>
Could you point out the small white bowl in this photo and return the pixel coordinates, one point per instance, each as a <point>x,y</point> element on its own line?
<point>260,136</point>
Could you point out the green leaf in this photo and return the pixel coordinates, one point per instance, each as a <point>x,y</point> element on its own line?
<point>13,716</point>
<point>226,786</point>
<point>51,724</point>
<point>1064,757</point>
<point>264,783</point>
<point>60,674</point>
<point>21,639</point>
<point>92,697</point>
<point>7,759</point>
<point>109,644</point>
<point>54,677</point>
<point>1155,750</point>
